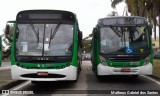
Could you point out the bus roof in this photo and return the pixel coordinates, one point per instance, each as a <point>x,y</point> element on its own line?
<point>122,20</point>
<point>45,14</point>
<point>123,17</point>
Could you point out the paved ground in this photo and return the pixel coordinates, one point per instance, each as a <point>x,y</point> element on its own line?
<point>5,71</point>
<point>5,64</point>
<point>88,84</point>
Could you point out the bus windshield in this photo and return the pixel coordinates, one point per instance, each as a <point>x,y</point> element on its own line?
<point>124,40</point>
<point>44,39</point>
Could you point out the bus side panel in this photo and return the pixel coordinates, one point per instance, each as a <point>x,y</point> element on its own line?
<point>75,46</point>
<point>13,46</point>
<point>95,52</point>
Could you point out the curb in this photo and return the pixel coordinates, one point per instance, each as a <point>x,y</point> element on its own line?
<point>154,77</point>
<point>11,84</point>
<point>5,68</point>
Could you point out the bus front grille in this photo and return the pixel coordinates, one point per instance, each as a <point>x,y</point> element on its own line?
<point>34,75</point>
<point>124,59</point>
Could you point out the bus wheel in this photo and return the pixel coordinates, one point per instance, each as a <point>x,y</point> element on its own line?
<point>134,76</point>
<point>79,68</point>
<point>80,64</point>
<point>78,71</point>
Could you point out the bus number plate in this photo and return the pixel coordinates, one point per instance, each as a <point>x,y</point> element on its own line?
<point>125,70</point>
<point>42,73</point>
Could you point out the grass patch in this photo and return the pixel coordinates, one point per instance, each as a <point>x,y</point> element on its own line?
<point>156,67</point>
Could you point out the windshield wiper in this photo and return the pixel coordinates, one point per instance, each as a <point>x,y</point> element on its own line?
<point>54,33</point>
<point>36,32</point>
<point>116,31</point>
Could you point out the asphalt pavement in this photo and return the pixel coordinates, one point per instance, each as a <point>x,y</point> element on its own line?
<point>88,84</point>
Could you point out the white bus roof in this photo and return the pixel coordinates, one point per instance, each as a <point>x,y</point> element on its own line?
<point>122,20</point>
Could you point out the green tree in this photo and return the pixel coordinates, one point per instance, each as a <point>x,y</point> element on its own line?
<point>87,43</point>
<point>7,39</point>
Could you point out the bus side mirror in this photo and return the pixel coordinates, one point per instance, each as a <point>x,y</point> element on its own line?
<point>150,30</point>
<point>80,36</point>
<point>95,33</point>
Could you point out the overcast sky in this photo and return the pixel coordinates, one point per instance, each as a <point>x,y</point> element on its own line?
<point>88,11</point>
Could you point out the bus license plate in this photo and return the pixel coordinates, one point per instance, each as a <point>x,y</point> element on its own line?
<point>42,73</point>
<point>125,70</point>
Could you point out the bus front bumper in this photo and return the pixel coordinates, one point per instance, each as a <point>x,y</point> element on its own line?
<point>107,70</point>
<point>68,73</point>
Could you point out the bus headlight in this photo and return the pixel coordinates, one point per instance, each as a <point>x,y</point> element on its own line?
<point>103,60</point>
<point>147,60</point>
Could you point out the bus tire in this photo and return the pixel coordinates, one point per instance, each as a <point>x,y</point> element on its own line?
<point>80,64</point>
<point>79,68</point>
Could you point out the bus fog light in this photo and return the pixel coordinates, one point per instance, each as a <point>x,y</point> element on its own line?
<point>147,60</point>
<point>103,61</point>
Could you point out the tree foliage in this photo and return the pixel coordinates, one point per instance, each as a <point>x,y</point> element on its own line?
<point>87,43</point>
<point>8,40</point>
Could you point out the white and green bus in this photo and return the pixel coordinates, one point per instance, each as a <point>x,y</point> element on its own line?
<point>46,46</point>
<point>122,46</point>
